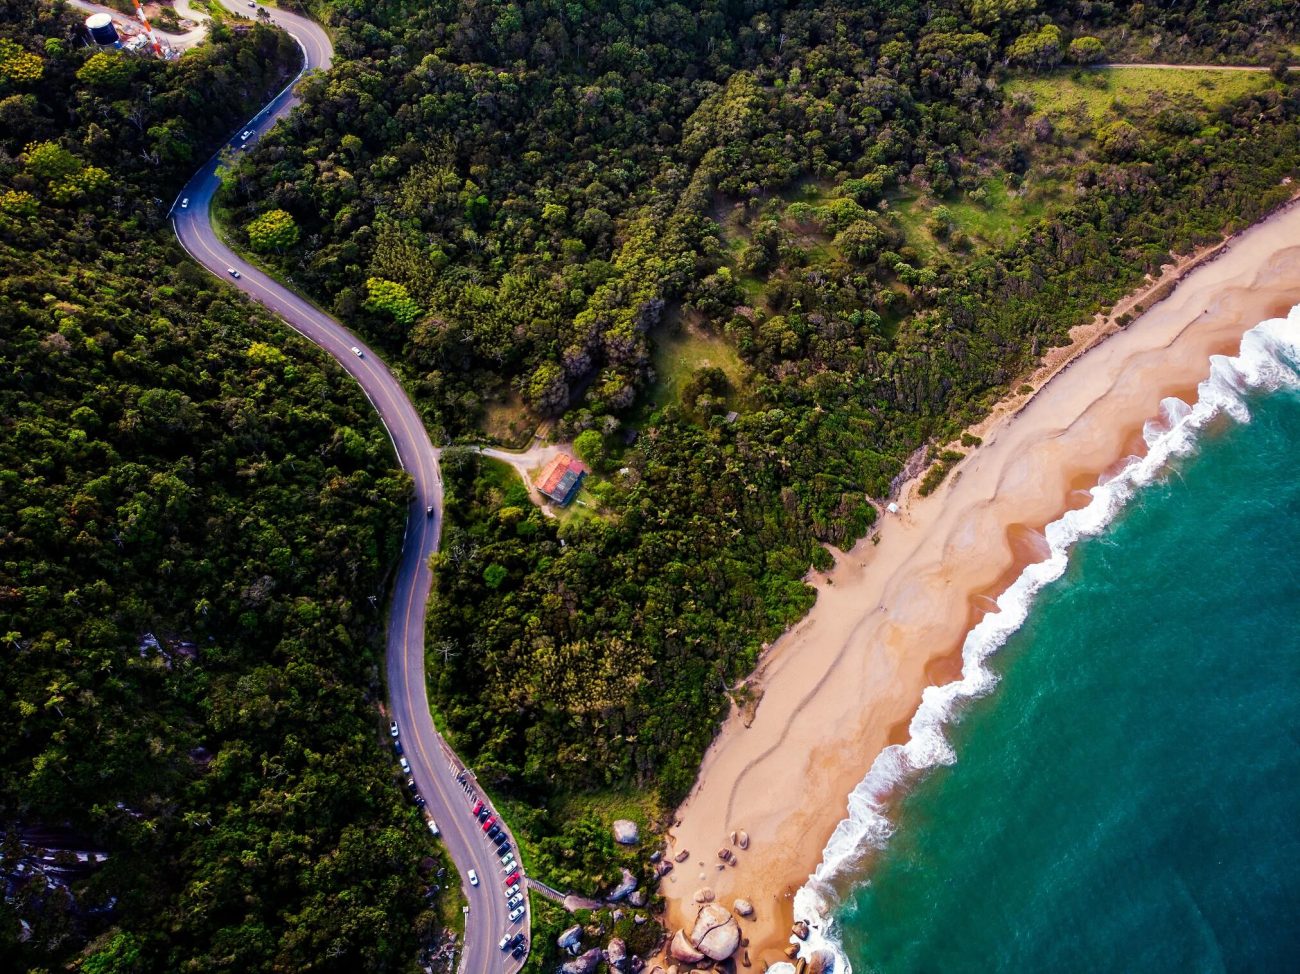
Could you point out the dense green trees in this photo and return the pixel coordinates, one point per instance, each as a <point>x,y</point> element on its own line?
<point>511,200</point>
<point>197,507</point>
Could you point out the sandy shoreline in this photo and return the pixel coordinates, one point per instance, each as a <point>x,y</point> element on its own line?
<point>891,616</point>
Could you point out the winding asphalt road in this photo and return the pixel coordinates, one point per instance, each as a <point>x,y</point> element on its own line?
<point>433,764</point>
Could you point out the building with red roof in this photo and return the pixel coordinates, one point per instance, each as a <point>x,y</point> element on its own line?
<point>561,478</point>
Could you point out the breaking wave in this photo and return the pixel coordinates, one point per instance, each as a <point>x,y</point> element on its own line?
<point>1269,359</point>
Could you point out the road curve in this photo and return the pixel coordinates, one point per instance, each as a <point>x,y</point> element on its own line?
<point>433,764</point>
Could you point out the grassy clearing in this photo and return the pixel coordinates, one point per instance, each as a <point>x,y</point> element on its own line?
<point>752,288</point>
<point>997,213</point>
<point>680,349</point>
<point>507,421</point>
<point>500,474</point>
<point>1000,217</point>
<point>642,807</point>
<point>584,506</point>
<point>732,226</point>
<point>606,806</point>
<point>450,902</point>
<point>1097,93</point>
<point>909,212</point>
<point>811,192</point>
<point>993,217</point>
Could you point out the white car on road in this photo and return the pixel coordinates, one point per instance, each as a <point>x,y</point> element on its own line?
<point>473,878</point>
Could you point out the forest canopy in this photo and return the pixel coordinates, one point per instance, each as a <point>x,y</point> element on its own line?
<point>751,256</point>
<point>861,216</point>
<point>198,506</point>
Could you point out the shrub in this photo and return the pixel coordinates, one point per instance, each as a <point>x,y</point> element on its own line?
<point>1086,50</point>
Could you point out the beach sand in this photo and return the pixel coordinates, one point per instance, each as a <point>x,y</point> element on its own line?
<point>891,615</point>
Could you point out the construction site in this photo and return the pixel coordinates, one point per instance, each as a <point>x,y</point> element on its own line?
<point>110,29</point>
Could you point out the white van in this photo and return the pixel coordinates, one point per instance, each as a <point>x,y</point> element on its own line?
<point>433,827</point>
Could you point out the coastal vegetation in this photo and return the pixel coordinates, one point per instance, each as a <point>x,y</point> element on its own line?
<point>855,225</point>
<point>874,208</point>
<point>197,511</point>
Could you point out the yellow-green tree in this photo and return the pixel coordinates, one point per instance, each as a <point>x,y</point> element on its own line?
<point>49,160</point>
<point>107,69</point>
<point>273,230</point>
<point>391,298</point>
<point>1086,50</point>
<point>18,66</point>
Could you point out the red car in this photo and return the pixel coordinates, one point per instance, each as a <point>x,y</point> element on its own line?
<point>512,878</point>
<point>478,807</point>
<point>491,821</point>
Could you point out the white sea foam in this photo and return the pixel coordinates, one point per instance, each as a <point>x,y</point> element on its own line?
<point>1269,359</point>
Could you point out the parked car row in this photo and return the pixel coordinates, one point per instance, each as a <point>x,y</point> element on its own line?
<point>514,894</point>
<point>517,945</point>
<point>395,733</point>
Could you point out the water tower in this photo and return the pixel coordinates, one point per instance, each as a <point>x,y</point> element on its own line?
<point>101,29</point>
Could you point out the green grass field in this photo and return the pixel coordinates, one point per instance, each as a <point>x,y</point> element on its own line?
<point>1115,89</point>
<point>508,421</point>
<point>994,221</point>
<point>679,350</point>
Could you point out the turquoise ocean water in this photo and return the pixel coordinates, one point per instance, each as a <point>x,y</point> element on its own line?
<point>1126,788</point>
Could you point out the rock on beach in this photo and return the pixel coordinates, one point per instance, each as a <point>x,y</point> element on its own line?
<point>716,933</point>
<point>585,964</point>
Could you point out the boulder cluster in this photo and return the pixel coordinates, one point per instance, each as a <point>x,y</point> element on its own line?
<point>715,935</point>
<point>615,955</point>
